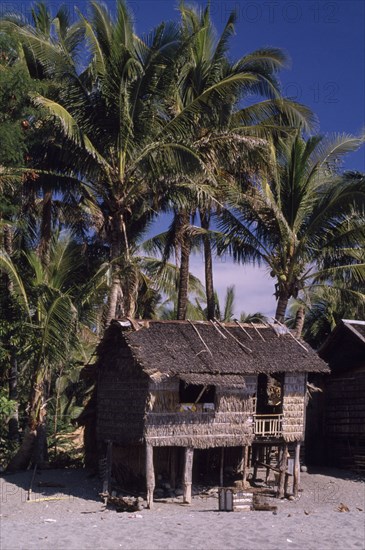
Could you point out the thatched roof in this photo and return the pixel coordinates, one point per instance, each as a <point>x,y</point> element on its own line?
<point>345,346</point>
<point>206,353</point>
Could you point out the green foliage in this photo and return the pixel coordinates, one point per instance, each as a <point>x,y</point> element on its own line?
<point>7,406</point>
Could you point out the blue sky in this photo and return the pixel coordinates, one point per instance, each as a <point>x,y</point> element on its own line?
<point>326,43</point>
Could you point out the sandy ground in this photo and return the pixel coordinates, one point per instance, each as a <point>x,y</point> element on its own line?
<point>80,521</point>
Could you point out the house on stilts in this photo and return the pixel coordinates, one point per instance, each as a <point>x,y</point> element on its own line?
<point>340,408</point>
<point>173,396</point>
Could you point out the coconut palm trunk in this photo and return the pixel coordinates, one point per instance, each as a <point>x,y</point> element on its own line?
<point>283,299</point>
<point>46,226</point>
<point>208,265</point>
<point>299,322</point>
<point>115,299</point>
<point>182,300</point>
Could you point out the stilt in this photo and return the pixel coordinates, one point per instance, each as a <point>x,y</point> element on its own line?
<point>283,469</point>
<point>267,461</point>
<point>173,467</point>
<point>296,473</point>
<point>188,474</point>
<point>245,465</point>
<point>150,475</point>
<point>221,470</point>
<point>255,460</point>
<point>108,471</point>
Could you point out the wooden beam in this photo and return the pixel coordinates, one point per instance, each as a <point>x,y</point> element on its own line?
<point>150,475</point>
<point>200,337</point>
<point>258,332</point>
<point>290,334</point>
<point>243,329</point>
<point>296,472</point>
<point>188,474</point>
<point>247,350</point>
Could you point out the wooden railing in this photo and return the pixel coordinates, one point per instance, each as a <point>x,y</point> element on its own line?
<point>268,424</point>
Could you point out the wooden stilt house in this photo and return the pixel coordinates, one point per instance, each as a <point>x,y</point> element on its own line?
<point>168,390</point>
<point>342,402</point>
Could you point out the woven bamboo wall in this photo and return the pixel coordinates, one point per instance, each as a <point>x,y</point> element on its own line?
<point>230,424</point>
<point>345,404</point>
<point>199,430</point>
<point>121,400</point>
<point>294,407</point>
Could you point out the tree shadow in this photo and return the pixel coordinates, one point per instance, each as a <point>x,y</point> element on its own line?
<point>50,484</point>
<point>337,473</point>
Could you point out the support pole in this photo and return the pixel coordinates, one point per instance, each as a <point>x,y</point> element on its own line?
<point>221,470</point>
<point>283,469</point>
<point>173,467</point>
<point>108,471</point>
<point>296,473</point>
<point>267,460</point>
<point>245,465</point>
<point>188,474</point>
<point>255,462</point>
<point>150,475</point>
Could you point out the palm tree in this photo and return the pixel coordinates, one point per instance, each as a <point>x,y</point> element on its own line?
<point>39,211</point>
<point>303,221</point>
<point>116,116</point>
<point>227,136</point>
<point>50,299</point>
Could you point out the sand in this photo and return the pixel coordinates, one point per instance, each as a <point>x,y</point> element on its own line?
<point>80,521</point>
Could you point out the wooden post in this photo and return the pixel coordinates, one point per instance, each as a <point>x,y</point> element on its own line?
<point>150,475</point>
<point>108,471</point>
<point>221,471</point>
<point>283,468</point>
<point>173,467</point>
<point>245,465</point>
<point>296,473</point>
<point>267,461</point>
<point>255,460</point>
<point>188,474</point>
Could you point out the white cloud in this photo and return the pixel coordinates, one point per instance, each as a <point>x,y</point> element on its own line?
<point>254,288</point>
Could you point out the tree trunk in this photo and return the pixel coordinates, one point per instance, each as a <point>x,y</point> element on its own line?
<point>115,306</point>
<point>299,322</point>
<point>182,300</point>
<point>46,227</point>
<point>32,448</point>
<point>283,300</point>
<point>13,426</point>
<point>208,264</point>
<point>8,239</point>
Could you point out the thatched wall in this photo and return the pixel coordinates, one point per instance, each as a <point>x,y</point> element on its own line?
<point>293,424</point>
<point>230,424</point>
<point>345,419</point>
<point>121,397</point>
<point>199,430</point>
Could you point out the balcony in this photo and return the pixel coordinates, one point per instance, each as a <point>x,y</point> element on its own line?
<point>268,425</point>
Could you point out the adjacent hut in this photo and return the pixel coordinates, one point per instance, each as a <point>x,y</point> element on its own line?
<point>343,398</point>
<point>167,390</point>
